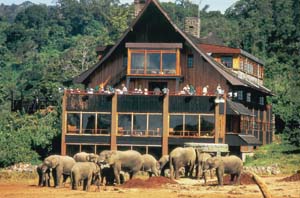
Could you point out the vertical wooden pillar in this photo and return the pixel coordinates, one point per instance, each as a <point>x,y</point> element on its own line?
<point>223,123</point>
<point>64,125</point>
<point>114,123</point>
<point>165,135</point>
<point>264,131</point>
<point>217,120</point>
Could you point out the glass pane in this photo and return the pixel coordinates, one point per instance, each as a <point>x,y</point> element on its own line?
<point>71,150</point>
<point>124,124</point>
<point>73,123</point>
<point>207,125</point>
<point>137,63</point>
<point>176,124</point>
<point>153,63</point>
<point>88,148</point>
<point>155,125</point>
<point>139,124</point>
<point>169,63</point>
<point>88,123</point>
<point>191,125</point>
<point>227,61</point>
<point>103,123</point>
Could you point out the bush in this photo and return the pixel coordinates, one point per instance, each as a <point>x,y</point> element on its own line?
<point>24,138</point>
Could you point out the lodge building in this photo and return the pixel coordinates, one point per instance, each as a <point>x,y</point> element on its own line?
<point>160,59</point>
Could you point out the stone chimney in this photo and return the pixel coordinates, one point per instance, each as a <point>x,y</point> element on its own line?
<point>138,6</point>
<point>192,26</point>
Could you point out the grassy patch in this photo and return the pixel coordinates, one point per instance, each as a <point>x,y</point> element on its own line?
<point>13,176</point>
<point>279,152</point>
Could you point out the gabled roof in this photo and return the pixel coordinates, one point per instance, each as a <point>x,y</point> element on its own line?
<point>229,76</point>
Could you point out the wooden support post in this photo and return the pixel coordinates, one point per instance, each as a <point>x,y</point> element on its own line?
<point>217,122</point>
<point>64,125</point>
<point>114,123</point>
<point>165,135</point>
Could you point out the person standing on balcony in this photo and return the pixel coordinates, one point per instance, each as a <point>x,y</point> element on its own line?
<point>205,90</point>
<point>124,89</point>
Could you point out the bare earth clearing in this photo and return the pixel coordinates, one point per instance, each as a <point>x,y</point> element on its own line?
<point>166,188</point>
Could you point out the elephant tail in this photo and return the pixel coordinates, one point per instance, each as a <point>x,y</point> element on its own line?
<point>261,184</point>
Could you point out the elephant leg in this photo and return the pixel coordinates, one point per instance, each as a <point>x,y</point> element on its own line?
<point>117,174</point>
<point>220,174</point>
<point>191,170</point>
<point>89,180</point>
<point>85,183</point>
<point>232,178</point>
<point>122,179</point>
<point>65,177</point>
<point>58,174</point>
<point>238,178</point>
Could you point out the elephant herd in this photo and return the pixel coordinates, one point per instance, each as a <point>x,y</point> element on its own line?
<point>88,168</point>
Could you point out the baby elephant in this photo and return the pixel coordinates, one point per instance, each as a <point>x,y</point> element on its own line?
<point>150,165</point>
<point>86,171</point>
<point>44,177</point>
<point>230,165</point>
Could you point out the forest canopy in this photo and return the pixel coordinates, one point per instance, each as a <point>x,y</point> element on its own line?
<point>43,47</point>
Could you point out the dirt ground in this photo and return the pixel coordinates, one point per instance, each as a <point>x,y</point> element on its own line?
<point>183,188</point>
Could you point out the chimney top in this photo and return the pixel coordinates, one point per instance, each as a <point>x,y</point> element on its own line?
<point>192,26</point>
<point>138,6</point>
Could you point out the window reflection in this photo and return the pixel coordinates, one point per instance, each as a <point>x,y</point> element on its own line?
<point>169,63</point>
<point>103,123</point>
<point>207,125</point>
<point>191,125</point>
<point>88,123</point>
<point>153,63</point>
<point>176,124</point>
<point>124,124</point>
<point>155,125</point>
<point>73,123</point>
<point>137,63</point>
<point>139,124</point>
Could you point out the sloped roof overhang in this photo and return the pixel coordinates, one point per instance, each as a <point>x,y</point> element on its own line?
<point>229,76</point>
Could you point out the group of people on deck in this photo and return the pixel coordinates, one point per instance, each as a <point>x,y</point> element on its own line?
<point>189,89</point>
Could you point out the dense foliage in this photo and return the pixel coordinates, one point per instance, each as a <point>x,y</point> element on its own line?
<point>43,47</point>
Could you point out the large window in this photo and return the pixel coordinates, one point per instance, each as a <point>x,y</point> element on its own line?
<point>140,124</point>
<point>88,123</point>
<point>191,125</point>
<point>207,125</point>
<point>103,123</point>
<point>73,123</point>
<point>153,62</point>
<point>137,63</point>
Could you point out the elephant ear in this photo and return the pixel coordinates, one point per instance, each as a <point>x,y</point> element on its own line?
<point>54,162</point>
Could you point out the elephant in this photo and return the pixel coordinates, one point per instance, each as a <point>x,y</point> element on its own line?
<point>85,157</point>
<point>150,165</point>
<point>163,164</point>
<point>200,165</point>
<point>86,171</point>
<point>182,157</point>
<point>128,161</point>
<point>107,173</point>
<point>232,165</point>
<point>60,165</point>
<point>44,177</point>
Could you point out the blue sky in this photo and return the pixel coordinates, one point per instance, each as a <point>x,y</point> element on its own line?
<point>220,5</point>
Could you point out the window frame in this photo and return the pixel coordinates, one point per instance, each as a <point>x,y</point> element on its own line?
<point>161,52</point>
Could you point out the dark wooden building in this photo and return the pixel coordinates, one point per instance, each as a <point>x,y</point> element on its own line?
<point>154,54</point>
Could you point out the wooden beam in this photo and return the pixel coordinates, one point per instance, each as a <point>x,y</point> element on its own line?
<point>217,122</point>
<point>64,125</point>
<point>165,135</point>
<point>114,123</point>
<point>154,45</point>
